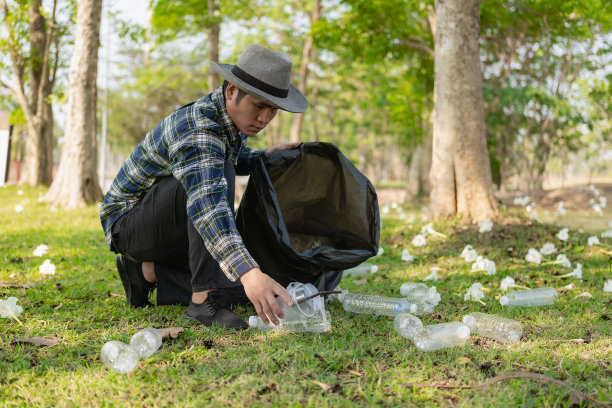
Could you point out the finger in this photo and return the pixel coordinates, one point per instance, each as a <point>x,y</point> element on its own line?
<point>282,292</point>
<point>276,308</point>
<point>260,313</point>
<point>269,311</point>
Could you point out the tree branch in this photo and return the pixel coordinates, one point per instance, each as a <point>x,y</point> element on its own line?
<point>417,43</point>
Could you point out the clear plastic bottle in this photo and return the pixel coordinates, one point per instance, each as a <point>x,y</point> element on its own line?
<point>493,326</point>
<point>420,309</point>
<point>416,289</point>
<point>308,315</point>
<point>146,342</point>
<point>437,336</point>
<point>360,270</point>
<point>417,292</point>
<point>119,356</point>
<point>314,323</point>
<point>406,325</point>
<point>529,297</point>
<point>376,305</point>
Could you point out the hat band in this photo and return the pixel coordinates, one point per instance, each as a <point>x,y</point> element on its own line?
<point>262,86</point>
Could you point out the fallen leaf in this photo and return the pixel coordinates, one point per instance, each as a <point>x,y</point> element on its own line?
<point>171,332</point>
<point>571,286</point>
<point>29,285</point>
<point>585,294</point>
<point>115,294</point>
<point>324,387</point>
<point>58,306</point>
<point>39,341</point>
<point>360,281</point>
<point>268,388</point>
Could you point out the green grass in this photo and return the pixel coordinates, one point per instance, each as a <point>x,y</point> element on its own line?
<point>361,361</point>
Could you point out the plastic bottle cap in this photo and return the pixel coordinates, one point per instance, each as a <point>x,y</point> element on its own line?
<point>503,300</point>
<point>469,320</point>
<point>252,321</point>
<point>374,269</point>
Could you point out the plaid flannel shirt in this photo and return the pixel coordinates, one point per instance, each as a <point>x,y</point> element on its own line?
<point>191,144</point>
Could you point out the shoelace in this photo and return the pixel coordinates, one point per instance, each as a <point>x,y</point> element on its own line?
<point>212,304</point>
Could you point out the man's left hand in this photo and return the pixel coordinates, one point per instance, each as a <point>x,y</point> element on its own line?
<point>283,146</point>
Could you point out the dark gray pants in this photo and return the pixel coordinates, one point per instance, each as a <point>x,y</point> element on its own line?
<point>159,230</point>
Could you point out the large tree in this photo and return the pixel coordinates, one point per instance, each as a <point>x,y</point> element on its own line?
<point>460,170</point>
<point>32,38</point>
<point>76,183</point>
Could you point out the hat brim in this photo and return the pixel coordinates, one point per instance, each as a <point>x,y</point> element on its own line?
<point>294,102</point>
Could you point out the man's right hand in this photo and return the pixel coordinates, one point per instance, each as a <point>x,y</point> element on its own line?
<point>262,290</point>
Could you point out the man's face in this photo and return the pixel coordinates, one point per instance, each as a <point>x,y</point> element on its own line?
<point>251,115</point>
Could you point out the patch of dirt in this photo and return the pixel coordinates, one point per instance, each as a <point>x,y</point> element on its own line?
<point>575,197</point>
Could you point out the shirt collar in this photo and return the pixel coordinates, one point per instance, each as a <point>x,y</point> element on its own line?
<point>224,120</point>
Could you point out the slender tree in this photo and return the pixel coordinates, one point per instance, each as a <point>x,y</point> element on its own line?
<point>460,171</point>
<point>32,39</point>
<point>76,183</point>
<point>308,55</point>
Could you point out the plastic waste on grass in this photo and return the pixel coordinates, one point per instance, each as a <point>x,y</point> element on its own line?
<point>437,336</point>
<point>360,270</point>
<point>407,325</point>
<point>304,316</point>
<point>529,297</point>
<point>493,326</point>
<point>123,358</point>
<point>381,305</point>
<point>146,342</point>
<point>418,292</point>
<point>119,356</point>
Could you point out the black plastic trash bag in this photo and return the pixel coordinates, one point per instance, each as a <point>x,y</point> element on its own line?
<point>307,214</point>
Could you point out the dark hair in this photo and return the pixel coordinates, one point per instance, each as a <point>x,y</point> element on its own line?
<point>241,93</point>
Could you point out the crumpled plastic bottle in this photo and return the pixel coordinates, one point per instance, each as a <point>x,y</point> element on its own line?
<point>438,336</point>
<point>496,327</point>
<point>123,358</point>
<point>303,316</point>
<point>529,297</point>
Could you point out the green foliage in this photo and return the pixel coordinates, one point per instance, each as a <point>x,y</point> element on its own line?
<point>360,361</point>
<point>152,93</point>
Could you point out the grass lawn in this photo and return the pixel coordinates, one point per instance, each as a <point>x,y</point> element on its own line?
<point>361,361</point>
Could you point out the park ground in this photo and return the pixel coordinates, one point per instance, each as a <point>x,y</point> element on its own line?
<point>361,361</point>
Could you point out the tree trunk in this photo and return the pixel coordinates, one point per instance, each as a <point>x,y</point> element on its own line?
<point>418,175</point>
<point>460,171</point>
<point>308,55</point>
<point>213,45</point>
<point>76,183</point>
<point>38,164</point>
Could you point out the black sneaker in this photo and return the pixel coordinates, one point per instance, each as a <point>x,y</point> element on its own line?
<point>232,296</point>
<point>212,311</point>
<point>137,288</point>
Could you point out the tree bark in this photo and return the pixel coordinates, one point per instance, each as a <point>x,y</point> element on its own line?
<point>308,55</point>
<point>460,171</point>
<point>33,97</point>
<point>76,183</point>
<point>213,45</point>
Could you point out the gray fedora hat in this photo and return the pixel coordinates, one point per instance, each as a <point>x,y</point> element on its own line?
<point>265,74</point>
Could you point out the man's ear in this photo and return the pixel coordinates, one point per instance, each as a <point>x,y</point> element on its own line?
<point>230,91</point>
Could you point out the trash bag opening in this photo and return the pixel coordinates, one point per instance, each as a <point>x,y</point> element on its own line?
<point>322,204</point>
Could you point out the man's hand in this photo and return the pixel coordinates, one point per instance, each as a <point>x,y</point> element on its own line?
<point>261,290</point>
<point>282,146</point>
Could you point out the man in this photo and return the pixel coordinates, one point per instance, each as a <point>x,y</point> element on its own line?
<point>169,211</point>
